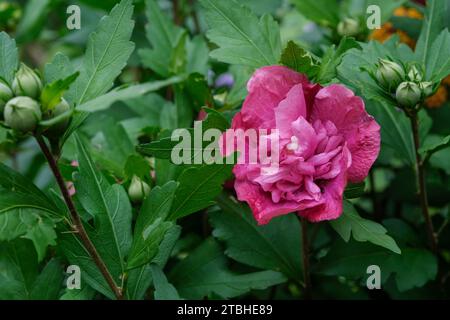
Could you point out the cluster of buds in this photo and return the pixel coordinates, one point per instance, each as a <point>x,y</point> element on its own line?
<point>406,85</point>
<point>20,107</point>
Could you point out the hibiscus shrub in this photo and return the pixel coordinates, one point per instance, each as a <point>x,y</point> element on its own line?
<point>126,148</point>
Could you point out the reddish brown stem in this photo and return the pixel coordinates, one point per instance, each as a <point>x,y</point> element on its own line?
<point>421,182</point>
<point>78,227</point>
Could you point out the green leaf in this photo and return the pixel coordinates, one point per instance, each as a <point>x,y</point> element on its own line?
<point>350,223</point>
<point>242,38</point>
<point>9,58</point>
<point>163,289</point>
<point>140,279</point>
<point>111,234</point>
<point>36,13</point>
<point>204,272</point>
<point>20,192</point>
<point>437,64</point>
<point>275,246</point>
<point>167,40</point>
<point>108,50</point>
<point>298,59</point>
<point>49,282</point>
<point>53,92</point>
<point>355,190</point>
<point>332,59</point>
<point>105,101</point>
<point>428,150</point>
<point>324,12</point>
<point>18,269</point>
<point>150,226</point>
<point>413,268</point>
<point>198,187</point>
<point>60,67</point>
<point>432,26</point>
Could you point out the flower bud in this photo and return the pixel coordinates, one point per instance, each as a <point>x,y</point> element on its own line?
<point>59,128</point>
<point>138,190</point>
<point>27,83</point>
<point>389,74</point>
<point>348,27</point>
<point>408,94</point>
<point>427,88</point>
<point>22,114</point>
<point>5,95</point>
<point>414,74</point>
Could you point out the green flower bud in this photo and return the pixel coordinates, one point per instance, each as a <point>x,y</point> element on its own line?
<point>408,94</point>
<point>5,95</point>
<point>427,88</point>
<point>27,83</point>
<point>414,74</point>
<point>138,190</point>
<point>389,74</point>
<point>348,27</point>
<point>22,114</point>
<point>59,128</point>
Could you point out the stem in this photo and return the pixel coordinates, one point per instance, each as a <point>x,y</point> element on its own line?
<point>176,13</point>
<point>305,255</point>
<point>422,189</point>
<point>76,220</point>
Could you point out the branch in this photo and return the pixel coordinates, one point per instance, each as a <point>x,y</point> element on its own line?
<point>76,220</point>
<point>422,189</point>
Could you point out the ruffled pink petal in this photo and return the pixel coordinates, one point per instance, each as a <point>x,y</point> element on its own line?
<point>289,110</point>
<point>266,89</point>
<point>339,105</point>
<point>329,207</point>
<point>261,203</point>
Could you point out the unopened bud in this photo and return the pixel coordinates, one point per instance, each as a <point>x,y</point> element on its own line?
<point>22,114</point>
<point>427,88</point>
<point>57,129</point>
<point>348,27</point>
<point>27,83</point>
<point>5,95</point>
<point>138,190</point>
<point>414,74</point>
<point>408,94</point>
<point>389,74</point>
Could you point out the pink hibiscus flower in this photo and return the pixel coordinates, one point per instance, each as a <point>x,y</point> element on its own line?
<point>326,138</point>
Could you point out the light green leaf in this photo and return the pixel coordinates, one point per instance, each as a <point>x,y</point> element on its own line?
<point>9,58</point>
<point>163,289</point>
<point>108,50</point>
<point>242,38</point>
<point>53,92</point>
<point>350,223</point>
<point>60,67</point>
<point>105,101</point>
<point>204,272</point>
<point>275,246</point>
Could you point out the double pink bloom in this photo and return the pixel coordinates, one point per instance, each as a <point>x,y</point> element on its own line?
<point>326,138</point>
